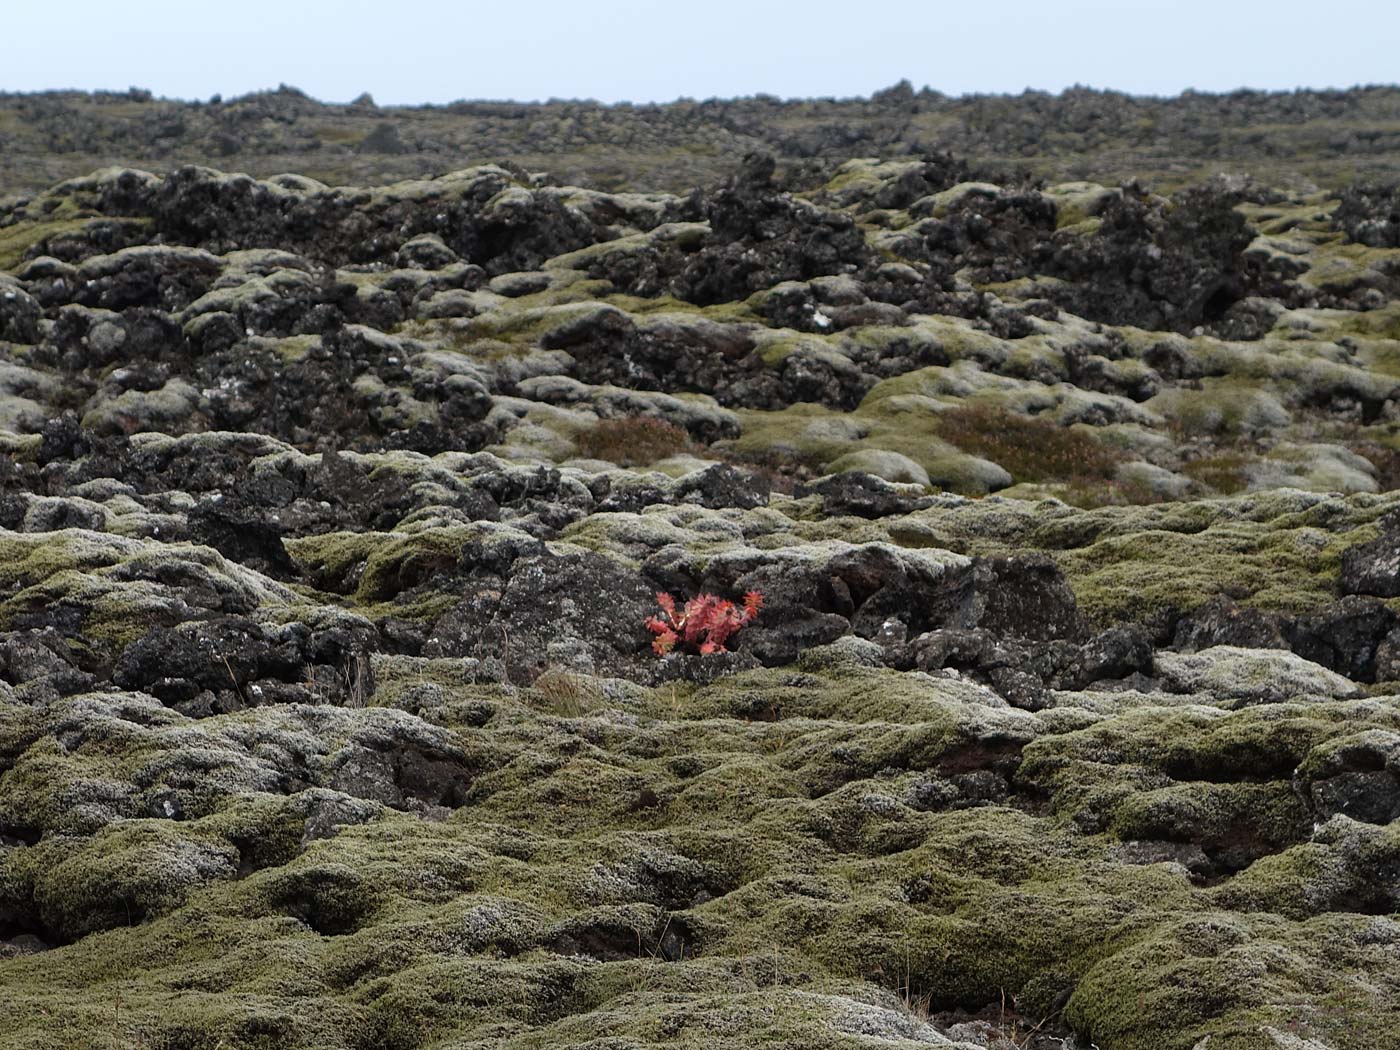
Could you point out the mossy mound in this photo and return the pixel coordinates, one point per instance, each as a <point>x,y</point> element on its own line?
<point>754,860</point>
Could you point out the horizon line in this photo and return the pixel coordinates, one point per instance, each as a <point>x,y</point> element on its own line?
<point>926,91</point>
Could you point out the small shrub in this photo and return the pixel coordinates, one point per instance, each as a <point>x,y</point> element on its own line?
<point>632,441</point>
<point>783,473</point>
<point>1031,449</point>
<point>1223,472</point>
<point>705,624</point>
<point>1089,494</point>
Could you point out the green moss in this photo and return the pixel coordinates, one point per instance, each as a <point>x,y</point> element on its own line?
<point>1341,267</point>
<point>816,438</point>
<point>1222,408</point>
<point>16,241</point>
<point>21,448</point>
<point>1157,574</point>
<point>1216,816</point>
<point>738,312</point>
<point>294,349</point>
<point>125,873</point>
<point>72,569</point>
<point>1078,203</point>
<point>1189,774</point>
<point>1383,323</point>
<point>631,537</point>
<point>1228,977</point>
<point>520,324</point>
<point>846,694</point>
<point>863,176</point>
<point>344,136</point>
<point>390,563</point>
<point>736,861</point>
<point>29,559</point>
<point>775,350</point>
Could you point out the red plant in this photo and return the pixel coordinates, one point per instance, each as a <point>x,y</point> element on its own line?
<point>706,622</point>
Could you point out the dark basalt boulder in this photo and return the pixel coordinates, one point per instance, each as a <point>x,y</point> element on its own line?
<point>759,237</point>
<point>1220,621</point>
<point>724,486</point>
<point>41,667</point>
<point>90,339</point>
<point>1023,596</point>
<point>402,763</point>
<point>1369,214</point>
<point>1153,263</point>
<point>20,313</point>
<point>859,494</point>
<point>244,535</point>
<point>578,611</point>
<point>495,221</point>
<point>1373,568</point>
<point>156,277</point>
<point>1115,654</point>
<point>1346,637</point>
<point>1000,236</point>
<point>877,593</point>
<point>1356,776</point>
<point>222,664</point>
<point>1024,671</point>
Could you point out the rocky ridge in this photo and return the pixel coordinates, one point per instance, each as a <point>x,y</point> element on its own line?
<point>1294,138</point>
<point>331,518</point>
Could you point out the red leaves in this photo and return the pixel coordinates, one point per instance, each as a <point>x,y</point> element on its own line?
<point>706,622</point>
<point>753,601</point>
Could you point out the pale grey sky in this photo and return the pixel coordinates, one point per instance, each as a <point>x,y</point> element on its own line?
<point>429,51</point>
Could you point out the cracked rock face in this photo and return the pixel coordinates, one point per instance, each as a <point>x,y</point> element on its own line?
<point>330,520</point>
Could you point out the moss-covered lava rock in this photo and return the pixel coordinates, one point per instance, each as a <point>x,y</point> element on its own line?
<point>330,520</point>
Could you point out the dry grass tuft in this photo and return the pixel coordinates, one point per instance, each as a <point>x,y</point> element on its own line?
<point>567,694</point>
<point>1032,449</point>
<point>632,441</point>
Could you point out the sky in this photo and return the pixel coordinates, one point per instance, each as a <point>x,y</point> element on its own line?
<point>627,50</point>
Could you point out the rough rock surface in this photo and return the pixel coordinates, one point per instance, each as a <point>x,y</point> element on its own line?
<point>330,520</point>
